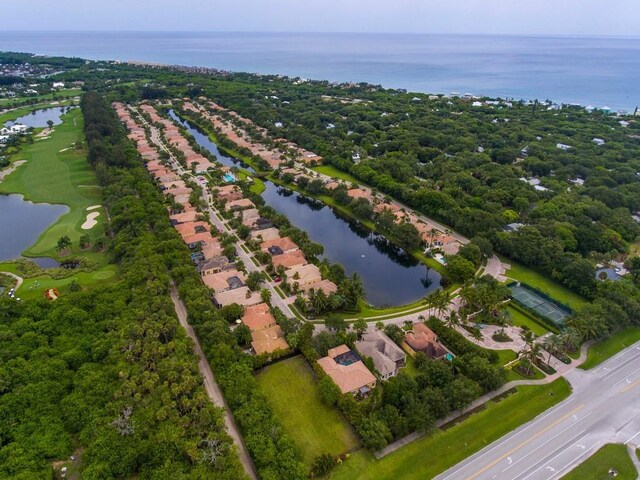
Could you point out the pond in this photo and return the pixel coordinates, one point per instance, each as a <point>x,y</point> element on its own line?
<point>205,142</point>
<point>39,118</point>
<point>45,262</point>
<point>23,222</point>
<point>390,275</point>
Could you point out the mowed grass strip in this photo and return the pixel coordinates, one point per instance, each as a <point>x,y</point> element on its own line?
<point>433,454</point>
<point>55,172</point>
<point>608,347</point>
<point>293,393</point>
<point>597,466</point>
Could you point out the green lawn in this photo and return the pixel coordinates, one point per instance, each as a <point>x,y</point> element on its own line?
<point>597,466</point>
<point>521,320</point>
<point>544,284</point>
<point>506,356</point>
<point>293,393</point>
<point>336,173</point>
<point>55,176</point>
<point>433,454</point>
<point>512,375</point>
<point>607,348</point>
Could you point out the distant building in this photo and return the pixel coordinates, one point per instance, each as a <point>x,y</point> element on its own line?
<point>598,141</point>
<point>563,146</point>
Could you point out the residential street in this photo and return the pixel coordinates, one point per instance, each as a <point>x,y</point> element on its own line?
<point>604,408</point>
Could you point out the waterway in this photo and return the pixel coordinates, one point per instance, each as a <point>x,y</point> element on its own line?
<point>390,275</point>
<point>23,222</point>
<point>205,142</point>
<point>39,118</point>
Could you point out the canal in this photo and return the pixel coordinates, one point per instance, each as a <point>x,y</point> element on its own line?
<point>391,276</point>
<point>205,142</point>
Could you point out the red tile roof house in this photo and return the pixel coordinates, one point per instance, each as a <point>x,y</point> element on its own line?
<point>422,339</point>
<point>184,217</point>
<point>191,228</point>
<point>197,239</point>
<point>347,371</point>
<point>278,246</point>
<point>241,296</point>
<point>226,280</point>
<point>288,260</point>
<point>229,193</point>
<point>359,193</point>
<point>249,217</point>
<point>239,204</point>
<point>266,234</point>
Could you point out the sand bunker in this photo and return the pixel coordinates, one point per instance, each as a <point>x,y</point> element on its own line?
<point>64,149</point>
<point>92,207</point>
<point>90,222</point>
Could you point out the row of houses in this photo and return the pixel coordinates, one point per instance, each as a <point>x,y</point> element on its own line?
<point>285,254</point>
<point>237,130</point>
<point>347,370</point>
<point>174,138</point>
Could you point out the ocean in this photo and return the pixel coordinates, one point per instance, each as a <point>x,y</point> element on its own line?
<point>597,71</point>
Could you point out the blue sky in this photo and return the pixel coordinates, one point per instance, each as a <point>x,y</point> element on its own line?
<point>554,17</point>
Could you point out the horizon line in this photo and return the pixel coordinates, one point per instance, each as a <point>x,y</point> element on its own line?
<point>328,32</point>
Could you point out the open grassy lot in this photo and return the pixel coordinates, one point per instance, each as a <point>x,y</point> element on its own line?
<point>293,393</point>
<point>435,453</point>
<point>56,173</point>
<point>522,320</point>
<point>597,466</point>
<point>607,348</point>
<point>336,173</point>
<point>544,284</point>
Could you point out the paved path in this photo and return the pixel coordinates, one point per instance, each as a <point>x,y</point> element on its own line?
<point>603,408</point>
<point>19,280</point>
<point>631,448</point>
<point>212,388</point>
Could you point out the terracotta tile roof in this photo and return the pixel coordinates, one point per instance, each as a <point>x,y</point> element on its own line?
<point>240,203</point>
<point>184,217</point>
<point>258,317</point>
<point>241,296</point>
<point>285,244</point>
<point>307,276</point>
<point>422,339</point>
<point>289,259</point>
<point>268,340</point>
<point>266,234</point>
<point>348,378</point>
<point>220,281</point>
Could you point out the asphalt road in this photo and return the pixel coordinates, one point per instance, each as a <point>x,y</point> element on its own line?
<point>603,408</point>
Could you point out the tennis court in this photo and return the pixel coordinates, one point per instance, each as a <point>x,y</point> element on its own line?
<point>546,308</point>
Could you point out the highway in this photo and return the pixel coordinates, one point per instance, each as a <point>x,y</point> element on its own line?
<point>603,408</point>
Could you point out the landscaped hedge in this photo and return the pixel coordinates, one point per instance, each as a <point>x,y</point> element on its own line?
<point>457,343</point>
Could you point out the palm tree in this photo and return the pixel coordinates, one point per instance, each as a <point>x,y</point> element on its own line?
<point>63,243</point>
<point>552,345</point>
<point>532,356</point>
<point>570,338</point>
<point>453,319</point>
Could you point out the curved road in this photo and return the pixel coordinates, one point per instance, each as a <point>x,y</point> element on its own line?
<point>603,408</point>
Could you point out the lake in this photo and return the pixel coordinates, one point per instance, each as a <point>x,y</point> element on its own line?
<point>39,118</point>
<point>23,222</point>
<point>390,276</point>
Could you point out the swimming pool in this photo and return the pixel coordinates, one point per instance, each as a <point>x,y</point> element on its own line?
<point>229,177</point>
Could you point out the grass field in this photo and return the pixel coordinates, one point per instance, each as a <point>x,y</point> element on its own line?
<point>607,348</point>
<point>52,175</point>
<point>293,393</point>
<point>597,466</point>
<point>56,173</point>
<point>433,454</point>
<point>544,284</point>
<point>336,173</point>
<point>522,320</point>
